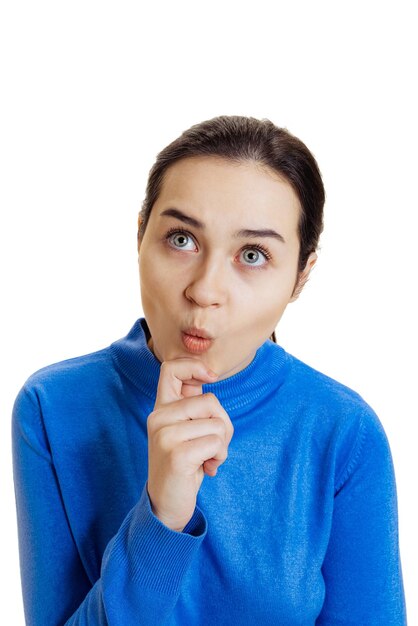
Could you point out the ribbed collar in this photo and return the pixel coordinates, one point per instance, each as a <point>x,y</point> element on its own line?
<point>265,373</point>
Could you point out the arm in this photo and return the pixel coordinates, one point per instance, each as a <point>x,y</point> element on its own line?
<point>143,564</point>
<point>362,567</point>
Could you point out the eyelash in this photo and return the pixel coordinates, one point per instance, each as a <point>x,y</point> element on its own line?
<point>256,246</point>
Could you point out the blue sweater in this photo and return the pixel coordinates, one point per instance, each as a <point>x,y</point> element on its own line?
<point>300,525</point>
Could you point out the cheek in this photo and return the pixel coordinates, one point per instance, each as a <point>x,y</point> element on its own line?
<point>266,303</point>
<point>265,292</point>
<point>151,268</point>
<point>156,279</point>
<point>157,262</point>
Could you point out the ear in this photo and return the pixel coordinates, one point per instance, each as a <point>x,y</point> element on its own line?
<point>140,220</point>
<point>303,276</point>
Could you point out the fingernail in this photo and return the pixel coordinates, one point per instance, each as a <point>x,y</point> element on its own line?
<point>212,373</point>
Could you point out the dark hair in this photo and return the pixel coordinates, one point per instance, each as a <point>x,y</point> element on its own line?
<point>240,139</point>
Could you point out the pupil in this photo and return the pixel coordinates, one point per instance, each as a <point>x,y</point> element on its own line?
<point>251,255</point>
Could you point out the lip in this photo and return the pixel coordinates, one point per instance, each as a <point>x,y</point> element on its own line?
<point>195,344</point>
<point>197,332</point>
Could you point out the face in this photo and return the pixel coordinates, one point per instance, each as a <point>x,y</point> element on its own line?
<point>209,275</point>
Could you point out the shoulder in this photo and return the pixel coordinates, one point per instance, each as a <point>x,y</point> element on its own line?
<point>56,383</point>
<point>347,421</point>
<point>51,389</point>
<point>321,389</point>
<point>68,372</point>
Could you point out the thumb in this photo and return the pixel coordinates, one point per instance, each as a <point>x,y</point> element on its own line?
<point>191,388</point>
<point>211,466</point>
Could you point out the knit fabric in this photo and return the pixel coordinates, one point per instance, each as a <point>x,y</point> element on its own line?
<point>299,526</point>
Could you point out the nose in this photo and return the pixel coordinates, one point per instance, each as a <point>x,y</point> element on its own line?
<point>207,287</point>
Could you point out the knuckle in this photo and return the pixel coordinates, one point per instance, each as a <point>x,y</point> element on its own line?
<point>165,366</point>
<point>224,456</point>
<point>219,441</point>
<point>150,421</point>
<point>224,451</point>
<point>176,459</point>
<point>152,418</point>
<point>220,426</point>
<point>162,440</point>
<point>154,413</point>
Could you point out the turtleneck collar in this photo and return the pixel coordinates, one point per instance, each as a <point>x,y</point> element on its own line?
<point>265,373</point>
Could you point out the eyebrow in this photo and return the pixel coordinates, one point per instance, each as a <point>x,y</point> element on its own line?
<point>244,232</point>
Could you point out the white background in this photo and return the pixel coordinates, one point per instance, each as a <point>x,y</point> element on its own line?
<point>91,91</point>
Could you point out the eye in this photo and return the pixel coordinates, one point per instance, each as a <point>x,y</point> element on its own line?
<point>177,238</point>
<point>177,234</point>
<point>252,254</point>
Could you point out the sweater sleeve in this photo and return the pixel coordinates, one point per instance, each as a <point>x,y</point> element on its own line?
<point>362,567</point>
<point>142,566</point>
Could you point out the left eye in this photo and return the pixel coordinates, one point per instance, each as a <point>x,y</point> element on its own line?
<point>253,253</point>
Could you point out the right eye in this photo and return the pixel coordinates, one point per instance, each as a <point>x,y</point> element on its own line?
<point>177,235</point>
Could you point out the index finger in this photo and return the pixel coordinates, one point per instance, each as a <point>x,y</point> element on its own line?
<point>181,378</point>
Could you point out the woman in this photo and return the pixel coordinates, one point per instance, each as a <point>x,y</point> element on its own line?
<point>296,522</point>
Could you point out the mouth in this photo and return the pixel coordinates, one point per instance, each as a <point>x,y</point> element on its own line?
<point>197,332</point>
<point>196,340</point>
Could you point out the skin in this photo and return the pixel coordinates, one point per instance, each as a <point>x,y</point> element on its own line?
<point>206,279</point>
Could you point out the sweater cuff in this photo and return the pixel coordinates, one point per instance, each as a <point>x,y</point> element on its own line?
<point>163,555</point>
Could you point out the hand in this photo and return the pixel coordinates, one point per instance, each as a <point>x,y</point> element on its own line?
<point>188,436</point>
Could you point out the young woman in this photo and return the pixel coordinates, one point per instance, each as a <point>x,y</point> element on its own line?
<point>194,472</point>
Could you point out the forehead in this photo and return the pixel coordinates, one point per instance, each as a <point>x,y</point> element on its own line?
<point>189,174</point>
<point>212,184</point>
